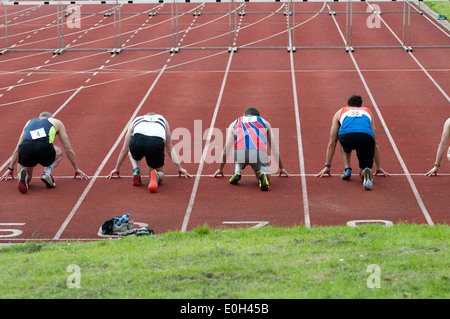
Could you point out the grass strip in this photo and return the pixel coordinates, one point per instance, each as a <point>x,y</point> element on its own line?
<point>410,261</point>
<point>440,7</point>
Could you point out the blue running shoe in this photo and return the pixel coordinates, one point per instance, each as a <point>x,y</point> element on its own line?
<point>346,175</point>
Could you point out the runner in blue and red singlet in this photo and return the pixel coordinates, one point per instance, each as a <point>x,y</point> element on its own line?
<point>354,127</point>
<point>251,136</point>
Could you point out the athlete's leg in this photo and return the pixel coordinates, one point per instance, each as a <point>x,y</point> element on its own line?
<point>28,169</point>
<point>58,156</point>
<point>346,157</point>
<point>136,178</point>
<point>160,172</point>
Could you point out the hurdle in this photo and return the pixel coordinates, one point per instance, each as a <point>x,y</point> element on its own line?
<point>236,8</point>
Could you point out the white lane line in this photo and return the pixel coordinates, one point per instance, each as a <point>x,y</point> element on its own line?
<point>430,77</point>
<point>388,134</point>
<point>414,58</point>
<point>300,145</point>
<point>105,160</point>
<point>253,175</point>
<point>301,156</point>
<point>205,150</point>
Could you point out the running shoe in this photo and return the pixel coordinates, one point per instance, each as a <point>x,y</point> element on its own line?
<point>367,179</point>
<point>235,178</point>
<point>347,173</point>
<point>153,185</point>
<point>263,181</point>
<point>48,180</point>
<point>23,181</point>
<point>136,180</point>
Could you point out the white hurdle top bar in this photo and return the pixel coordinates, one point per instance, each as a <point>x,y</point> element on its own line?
<point>86,2</point>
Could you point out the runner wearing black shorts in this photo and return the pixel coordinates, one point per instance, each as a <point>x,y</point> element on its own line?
<point>354,128</point>
<point>363,143</point>
<point>36,146</point>
<point>148,136</point>
<point>32,153</point>
<point>150,147</point>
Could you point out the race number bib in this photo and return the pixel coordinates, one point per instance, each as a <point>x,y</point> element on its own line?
<point>249,119</point>
<point>39,133</point>
<point>355,113</point>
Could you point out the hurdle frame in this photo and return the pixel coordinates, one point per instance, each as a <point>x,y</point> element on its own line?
<point>114,8</point>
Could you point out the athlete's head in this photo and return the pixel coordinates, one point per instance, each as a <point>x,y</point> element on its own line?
<point>354,100</point>
<point>46,115</point>
<point>251,111</point>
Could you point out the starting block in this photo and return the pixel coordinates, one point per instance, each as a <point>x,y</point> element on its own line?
<point>232,49</point>
<point>174,50</point>
<point>349,49</point>
<point>291,49</point>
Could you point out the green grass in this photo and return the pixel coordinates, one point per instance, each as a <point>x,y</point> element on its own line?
<point>441,7</point>
<point>265,263</point>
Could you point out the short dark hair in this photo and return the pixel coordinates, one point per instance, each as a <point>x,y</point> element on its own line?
<point>251,111</point>
<point>46,114</point>
<point>354,100</point>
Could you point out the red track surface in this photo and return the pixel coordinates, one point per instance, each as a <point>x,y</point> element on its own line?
<point>99,93</point>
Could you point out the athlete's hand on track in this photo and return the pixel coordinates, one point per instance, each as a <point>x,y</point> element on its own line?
<point>283,171</point>
<point>218,172</point>
<point>114,171</point>
<point>433,171</point>
<point>381,171</point>
<point>325,171</point>
<point>82,175</point>
<point>7,173</point>
<point>182,171</point>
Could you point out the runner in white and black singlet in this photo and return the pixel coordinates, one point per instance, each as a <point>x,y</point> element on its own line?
<point>148,136</point>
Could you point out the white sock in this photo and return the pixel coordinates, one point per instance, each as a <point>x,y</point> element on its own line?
<point>237,168</point>
<point>48,170</point>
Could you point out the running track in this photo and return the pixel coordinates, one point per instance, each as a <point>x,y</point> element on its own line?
<point>96,93</point>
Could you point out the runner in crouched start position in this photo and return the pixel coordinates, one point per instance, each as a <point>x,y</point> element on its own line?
<point>148,136</point>
<point>36,147</point>
<point>354,127</point>
<point>251,135</point>
<point>445,138</point>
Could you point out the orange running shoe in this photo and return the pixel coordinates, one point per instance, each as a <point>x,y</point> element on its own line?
<point>153,185</point>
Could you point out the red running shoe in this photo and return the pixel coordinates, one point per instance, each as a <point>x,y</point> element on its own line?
<point>23,181</point>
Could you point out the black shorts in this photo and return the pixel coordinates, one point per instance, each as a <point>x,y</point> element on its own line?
<point>32,153</point>
<point>150,147</point>
<point>363,143</point>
